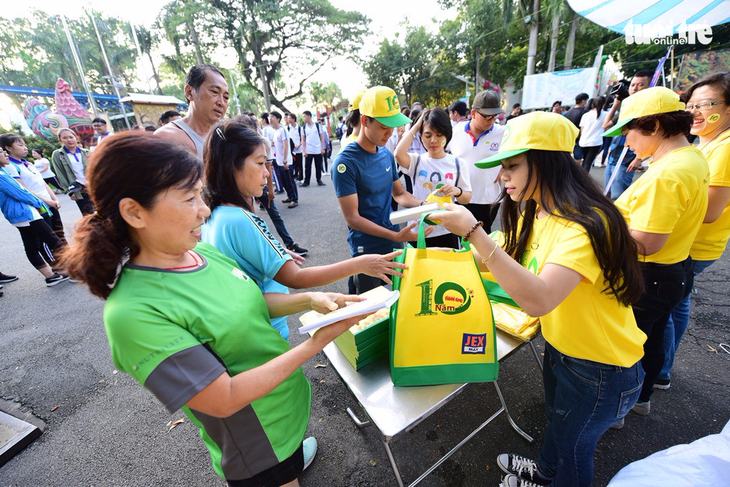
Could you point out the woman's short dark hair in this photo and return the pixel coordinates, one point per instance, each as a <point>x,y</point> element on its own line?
<point>353,120</point>
<point>669,124</point>
<point>415,113</point>
<point>38,150</point>
<point>574,195</point>
<point>439,121</point>
<point>134,165</point>
<point>8,139</point>
<point>226,149</point>
<point>720,81</point>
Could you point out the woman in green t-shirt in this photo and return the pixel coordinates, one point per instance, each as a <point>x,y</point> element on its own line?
<point>185,321</point>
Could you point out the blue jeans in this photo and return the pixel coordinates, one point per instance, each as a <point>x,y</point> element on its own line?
<point>273,212</point>
<point>678,322</point>
<point>582,399</point>
<point>621,182</point>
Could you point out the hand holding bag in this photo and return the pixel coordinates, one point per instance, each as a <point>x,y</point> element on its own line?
<point>442,328</point>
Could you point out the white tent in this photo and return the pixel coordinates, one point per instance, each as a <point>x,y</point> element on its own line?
<point>667,16</point>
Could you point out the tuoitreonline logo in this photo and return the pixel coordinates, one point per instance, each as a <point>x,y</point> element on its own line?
<point>663,33</point>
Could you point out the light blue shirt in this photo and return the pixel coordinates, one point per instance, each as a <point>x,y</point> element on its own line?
<point>245,238</point>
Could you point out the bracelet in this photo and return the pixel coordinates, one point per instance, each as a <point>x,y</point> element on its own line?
<point>476,225</point>
<point>484,261</point>
<point>461,191</point>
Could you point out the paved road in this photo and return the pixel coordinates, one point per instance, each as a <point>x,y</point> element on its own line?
<point>107,430</point>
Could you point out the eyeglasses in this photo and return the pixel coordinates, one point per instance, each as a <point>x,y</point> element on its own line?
<point>488,117</point>
<point>702,106</point>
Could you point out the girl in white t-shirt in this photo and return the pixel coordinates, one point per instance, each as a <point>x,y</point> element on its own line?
<point>591,131</point>
<point>44,167</point>
<point>435,170</point>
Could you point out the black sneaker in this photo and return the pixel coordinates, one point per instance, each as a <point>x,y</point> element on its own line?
<point>511,480</point>
<point>523,468</point>
<point>293,204</point>
<point>288,200</point>
<point>321,183</point>
<point>661,384</point>
<point>304,185</point>
<point>298,250</point>
<point>7,278</point>
<point>55,279</point>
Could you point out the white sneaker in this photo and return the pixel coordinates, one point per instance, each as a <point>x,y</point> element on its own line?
<point>310,451</point>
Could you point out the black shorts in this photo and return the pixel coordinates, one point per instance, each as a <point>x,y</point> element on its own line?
<point>285,472</point>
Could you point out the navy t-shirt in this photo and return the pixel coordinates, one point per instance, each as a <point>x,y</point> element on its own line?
<point>369,176</point>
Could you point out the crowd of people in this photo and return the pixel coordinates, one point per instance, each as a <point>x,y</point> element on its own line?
<point>607,268</point>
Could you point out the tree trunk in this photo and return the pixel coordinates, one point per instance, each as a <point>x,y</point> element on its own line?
<point>534,31</point>
<point>155,74</point>
<point>570,48</point>
<point>554,43</point>
<point>194,40</point>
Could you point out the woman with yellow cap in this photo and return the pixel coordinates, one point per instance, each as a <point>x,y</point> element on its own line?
<point>558,262</point>
<point>664,210</point>
<point>708,101</point>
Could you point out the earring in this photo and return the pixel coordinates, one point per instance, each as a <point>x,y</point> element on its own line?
<point>443,143</point>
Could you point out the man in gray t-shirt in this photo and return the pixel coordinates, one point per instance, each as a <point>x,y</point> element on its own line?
<point>207,94</point>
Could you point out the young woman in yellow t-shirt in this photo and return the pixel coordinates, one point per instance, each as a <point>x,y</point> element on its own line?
<point>664,210</point>
<point>568,258</point>
<point>708,101</point>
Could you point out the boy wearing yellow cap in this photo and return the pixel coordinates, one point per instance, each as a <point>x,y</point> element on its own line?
<point>366,177</point>
<point>559,262</point>
<point>664,210</point>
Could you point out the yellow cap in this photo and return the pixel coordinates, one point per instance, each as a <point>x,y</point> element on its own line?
<point>355,101</point>
<point>536,130</point>
<point>381,103</point>
<point>651,101</point>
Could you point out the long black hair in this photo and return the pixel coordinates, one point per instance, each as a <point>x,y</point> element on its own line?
<point>565,189</point>
<point>226,149</point>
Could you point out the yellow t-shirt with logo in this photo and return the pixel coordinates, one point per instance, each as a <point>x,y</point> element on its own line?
<point>588,324</point>
<point>712,238</point>
<point>670,198</point>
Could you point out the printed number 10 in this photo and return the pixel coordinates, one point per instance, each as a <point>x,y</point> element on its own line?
<point>392,102</point>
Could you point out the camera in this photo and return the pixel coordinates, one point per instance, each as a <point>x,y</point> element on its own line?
<point>620,90</point>
<point>75,187</point>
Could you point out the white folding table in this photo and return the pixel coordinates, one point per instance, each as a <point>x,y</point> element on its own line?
<point>393,410</point>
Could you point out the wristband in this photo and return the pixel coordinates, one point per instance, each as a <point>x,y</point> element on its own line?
<point>461,191</point>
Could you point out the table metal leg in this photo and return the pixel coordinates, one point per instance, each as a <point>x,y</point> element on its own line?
<point>358,422</point>
<point>509,416</point>
<point>536,354</point>
<point>393,465</point>
<point>453,450</point>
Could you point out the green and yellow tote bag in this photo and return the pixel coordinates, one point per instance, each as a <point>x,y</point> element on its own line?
<point>442,329</point>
